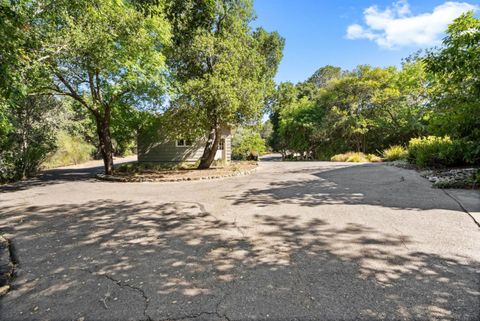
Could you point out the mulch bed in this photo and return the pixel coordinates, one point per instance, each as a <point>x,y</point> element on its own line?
<point>463,177</point>
<point>177,175</point>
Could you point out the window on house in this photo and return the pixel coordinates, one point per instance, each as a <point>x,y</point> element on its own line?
<point>221,145</point>
<point>183,143</point>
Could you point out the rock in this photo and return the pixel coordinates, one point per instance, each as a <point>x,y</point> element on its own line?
<point>4,289</point>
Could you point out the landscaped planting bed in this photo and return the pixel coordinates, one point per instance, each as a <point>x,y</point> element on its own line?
<point>138,172</point>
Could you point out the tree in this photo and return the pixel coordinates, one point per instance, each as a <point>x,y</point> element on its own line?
<point>455,82</point>
<point>367,109</point>
<point>223,68</point>
<point>103,54</point>
<point>266,130</point>
<point>31,138</point>
<point>325,74</point>
<point>247,142</point>
<point>285,94</point>
<point>297,126</point>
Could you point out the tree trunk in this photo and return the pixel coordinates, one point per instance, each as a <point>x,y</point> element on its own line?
<point>210,148</point>
<point>106,149</point>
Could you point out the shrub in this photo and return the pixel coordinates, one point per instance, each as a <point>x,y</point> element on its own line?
<point>349,157</point>
<point>436,151</point>
<point>472,152</point>
<point>373,158</point>
<point>395,152</point>
<point>70,150</point>
<point>355,157</point>
<point>340,157</point>
<point>247,142</point>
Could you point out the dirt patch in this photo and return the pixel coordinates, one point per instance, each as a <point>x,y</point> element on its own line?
<point>182,174</point>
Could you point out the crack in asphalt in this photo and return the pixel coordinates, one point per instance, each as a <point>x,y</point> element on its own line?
<point>204,211</point>
<point>238,227</point>
<point>194,316</point>
<point>122,285</point>
<point>462,207</point>
<point>401,238</point>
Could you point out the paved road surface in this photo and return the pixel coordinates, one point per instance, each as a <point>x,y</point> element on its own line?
<point>293,241</point>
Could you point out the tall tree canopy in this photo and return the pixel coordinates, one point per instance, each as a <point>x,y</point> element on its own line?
<point>456,91</point>
<point>224,69</point>
<point>366,110</point>
<point>103,54</point>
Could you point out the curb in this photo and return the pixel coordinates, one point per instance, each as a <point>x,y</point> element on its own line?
<point>120,179</point>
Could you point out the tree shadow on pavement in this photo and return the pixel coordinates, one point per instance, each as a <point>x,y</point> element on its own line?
<point>57,176</point>
<point>51,177</point>
<point>359,184</point>
<point>114,260</point>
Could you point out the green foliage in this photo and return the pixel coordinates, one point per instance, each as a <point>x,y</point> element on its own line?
<point>298,126</point>
<point>267,130</point>
<point>246,142</point>
<point>224,70</point>
<point>126,123</point>
<point>433,151</point>
<point>366,110</point>
<point>396,152</point>
<point>32,123</point>
<point>456,85</point>
<point>109,63</point>
<point>105,55</point>
<point>69,150</point>
<point>324,75</point>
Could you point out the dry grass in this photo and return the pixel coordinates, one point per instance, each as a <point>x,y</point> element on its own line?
<point>355,157</point>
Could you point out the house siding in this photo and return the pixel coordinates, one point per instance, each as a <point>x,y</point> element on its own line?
<point>167,151</point>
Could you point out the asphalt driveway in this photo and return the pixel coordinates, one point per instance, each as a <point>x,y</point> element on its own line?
<point>293,241</point>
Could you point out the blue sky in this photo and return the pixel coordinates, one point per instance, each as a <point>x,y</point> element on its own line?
<point>347,33</point>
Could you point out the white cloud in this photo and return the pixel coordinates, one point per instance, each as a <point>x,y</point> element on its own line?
<point>396,26</point>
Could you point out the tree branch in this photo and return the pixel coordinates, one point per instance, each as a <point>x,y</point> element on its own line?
<point>72,93</point>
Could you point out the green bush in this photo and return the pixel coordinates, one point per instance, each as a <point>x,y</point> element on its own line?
<point>395,152</point>
<point>434,151</point>
<point>70,150</point>
<point>471,153</point>
<point>247,142</point>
